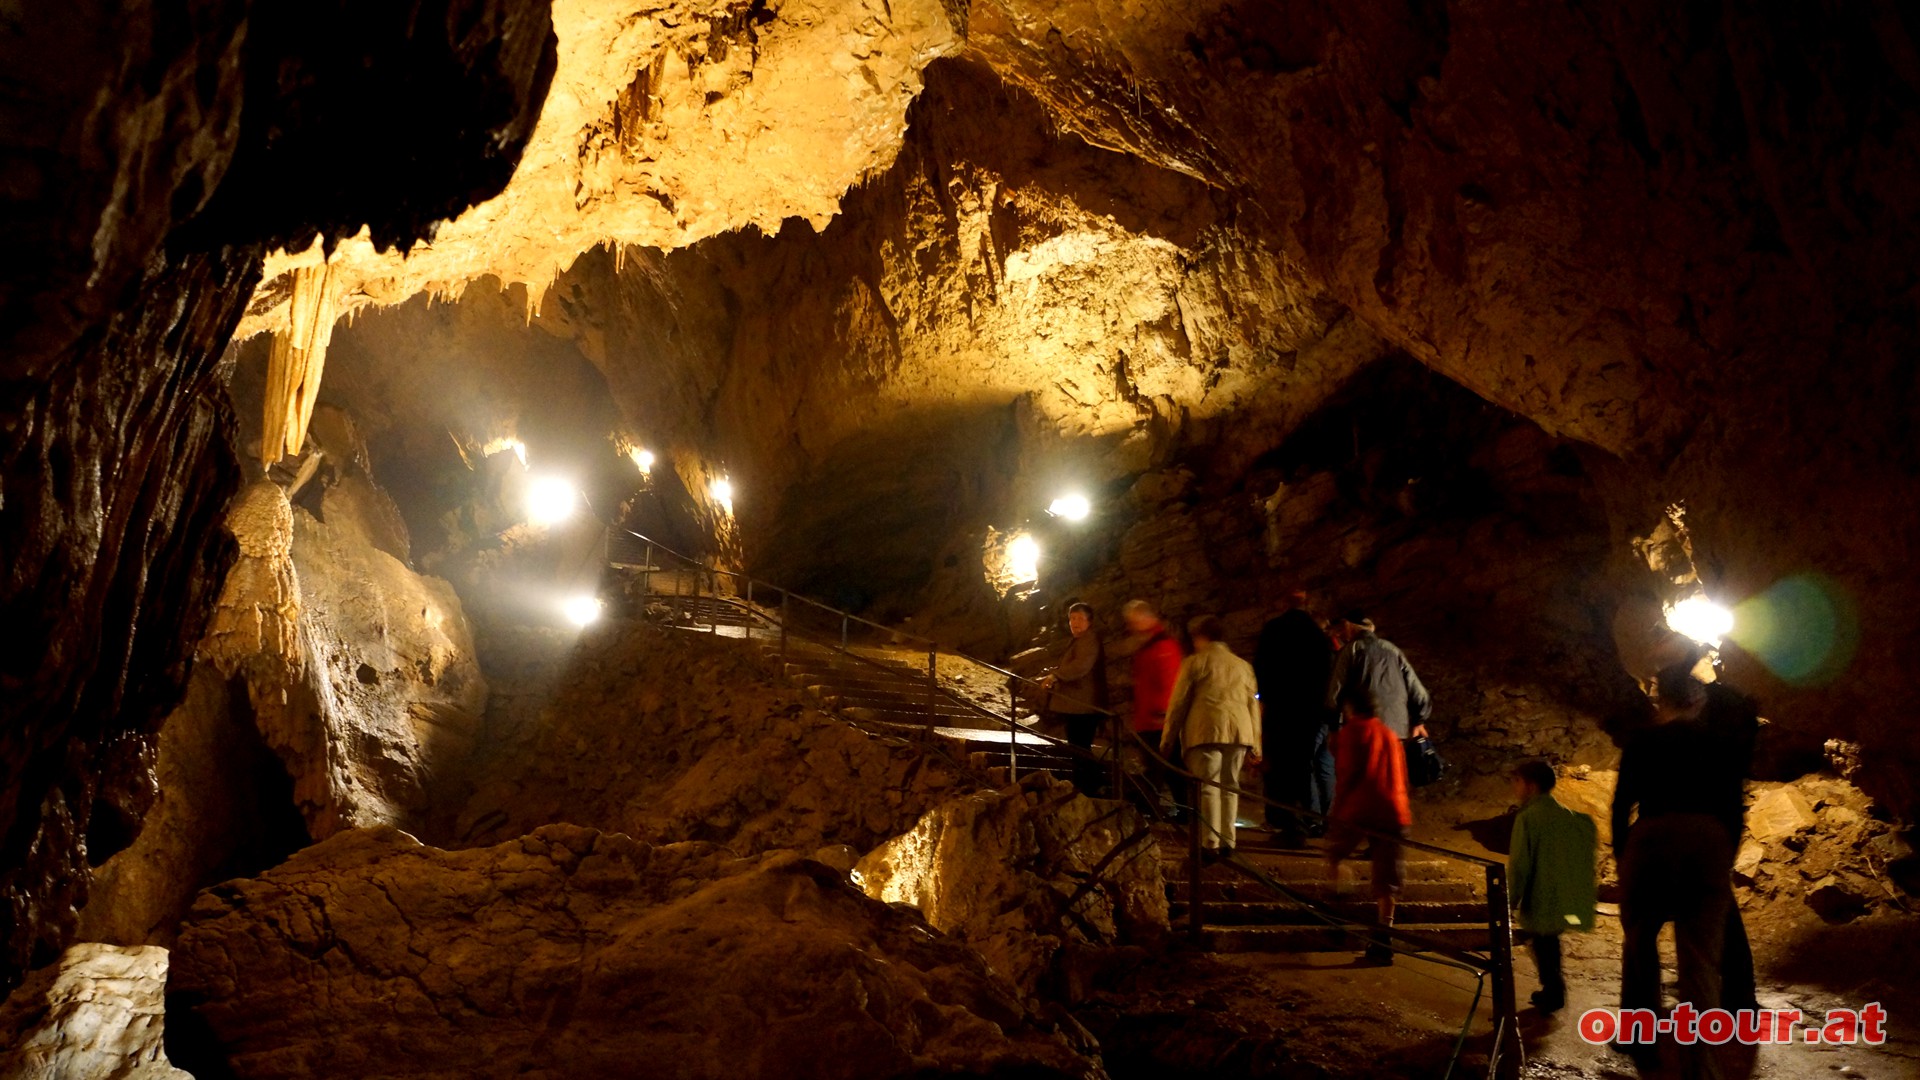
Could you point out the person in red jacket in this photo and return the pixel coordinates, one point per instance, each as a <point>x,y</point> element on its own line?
<point>1156,657</point>
<point>1370,792</point>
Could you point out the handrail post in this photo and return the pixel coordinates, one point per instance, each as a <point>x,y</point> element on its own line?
<point>843,631</point>
<point>1506,1061</point>
<point>783,623</point>
<point>933,688</point>
<point>1195,923</point>
<point>646,586</point>
<point>1013,734</point>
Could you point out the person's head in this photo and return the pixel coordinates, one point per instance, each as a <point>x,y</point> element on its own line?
<point>1677,694</point>
<point>1531,778</point>
<point>1297,598</point>
<point>1080,618</point>
<point>1205,629</point>
<point>1354,623</point>
<point>1140,616</point>
<point>1360,703</point>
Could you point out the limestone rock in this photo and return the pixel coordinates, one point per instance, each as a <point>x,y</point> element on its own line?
<point>571,952</point>
<point>671,736</point>
<point>1839,896</point>
<point>98,1013</point>
<point>1013,873</point>
<point>1780,814</point>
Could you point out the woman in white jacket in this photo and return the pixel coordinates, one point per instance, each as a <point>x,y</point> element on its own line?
<point>1215,717</point>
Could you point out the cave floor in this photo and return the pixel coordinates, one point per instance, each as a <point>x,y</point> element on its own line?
<point>1326,1014</point>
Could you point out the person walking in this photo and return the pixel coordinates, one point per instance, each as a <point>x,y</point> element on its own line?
<point>1375,664</point>
<point>1676,854</point>
<point>1078,694</point>
<point>1550,871</point>
<point>1214,715</point>
<point>1293,661</point>
<point>1370,800</point>
<point>1155,655</point>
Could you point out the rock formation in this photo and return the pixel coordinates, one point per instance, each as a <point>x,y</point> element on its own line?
<point>570,952</point>
<point>97,1013</point>
<point>666,736</point>
<point>1033,877</point>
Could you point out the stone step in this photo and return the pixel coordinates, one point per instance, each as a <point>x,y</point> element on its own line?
<point>1302,939</point>
<point>1288,913</point>
<point>1246,889</point>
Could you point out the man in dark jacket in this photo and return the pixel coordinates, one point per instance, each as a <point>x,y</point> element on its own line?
<point>1293,660</point>
<point>1079,694</point>
<point>1377,665</point>
<point>1676,856</point>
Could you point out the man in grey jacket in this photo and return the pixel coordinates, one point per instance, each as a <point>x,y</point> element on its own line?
<point>1376,664</point>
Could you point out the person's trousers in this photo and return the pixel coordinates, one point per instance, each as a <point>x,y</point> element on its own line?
<point>1738,989</point>
<point>1299,773</point>
<point>1676,870</point>
<point>1220,763</point>
<point>1087,770</point>
<point>1546,957</point>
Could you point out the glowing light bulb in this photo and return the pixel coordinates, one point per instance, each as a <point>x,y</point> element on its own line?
<point>1700,619</point>
<point>581,610</point>
<point>1023,558</point>
<point>642,460</point>
<point>1071,507</point>
<point>722,491</point>
<point>549,500</point>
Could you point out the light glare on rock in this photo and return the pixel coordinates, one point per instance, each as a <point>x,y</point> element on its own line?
<point>1071,507</point>
<point>1700,619</point>
<point>549,500</point>
<point>581,610</point>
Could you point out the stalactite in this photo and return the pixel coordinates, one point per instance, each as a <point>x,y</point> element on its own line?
<point>295,365</point>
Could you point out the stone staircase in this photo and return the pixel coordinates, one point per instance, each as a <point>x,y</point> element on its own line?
<point>1241,913</point>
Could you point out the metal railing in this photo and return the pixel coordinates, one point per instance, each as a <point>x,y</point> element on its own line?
<point>752,598</point>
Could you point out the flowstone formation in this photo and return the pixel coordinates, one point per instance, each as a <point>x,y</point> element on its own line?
<point>97,1013</point>
<point>570,952</point>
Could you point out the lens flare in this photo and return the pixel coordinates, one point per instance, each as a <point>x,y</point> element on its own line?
<point>550,500</point>
<point>581,610</point>
<point>1700,619</point>
<point>1803,628</point>
<point>1023,558</point>
<point>1071,507</point>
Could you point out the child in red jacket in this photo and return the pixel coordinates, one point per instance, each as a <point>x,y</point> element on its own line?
<point>1370,792</point>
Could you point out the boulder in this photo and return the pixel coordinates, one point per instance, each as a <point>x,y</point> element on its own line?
<point>1779,815</point>
<point>97,1013</point>
<point>571,952</point>
<point>1837,897</point>
<point>1022,873</point>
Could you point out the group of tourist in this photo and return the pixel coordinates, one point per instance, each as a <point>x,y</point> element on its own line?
<point>1327,707</point>
<point>1330,707</point>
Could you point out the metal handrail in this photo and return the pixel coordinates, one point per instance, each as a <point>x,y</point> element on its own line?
<point>1498,963</point>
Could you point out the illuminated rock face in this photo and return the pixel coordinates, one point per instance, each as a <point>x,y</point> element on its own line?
<point>571,952</point>
<point>667,124</point>
<point>97,1013</point>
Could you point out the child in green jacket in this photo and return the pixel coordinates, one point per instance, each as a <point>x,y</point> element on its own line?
<point>1551,874</point>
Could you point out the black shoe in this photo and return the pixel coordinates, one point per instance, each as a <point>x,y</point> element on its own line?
<point>1291,838</point>
<point>1378,956</point>
<point>1226,851</point>
<point>1547,1003</point>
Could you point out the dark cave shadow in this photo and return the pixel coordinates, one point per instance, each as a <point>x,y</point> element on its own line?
<point>1494,833</point>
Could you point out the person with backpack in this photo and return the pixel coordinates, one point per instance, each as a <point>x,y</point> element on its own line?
<point>1551,875</point>
<point>1293,661</point>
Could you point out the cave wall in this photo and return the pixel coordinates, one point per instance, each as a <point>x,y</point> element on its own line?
<point>1675,232</point>
<point>152,154</point>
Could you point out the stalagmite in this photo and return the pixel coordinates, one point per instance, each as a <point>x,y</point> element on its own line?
<point>294,368</point>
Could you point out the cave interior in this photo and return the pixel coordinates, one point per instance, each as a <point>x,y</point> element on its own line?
<point>529,526</point>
